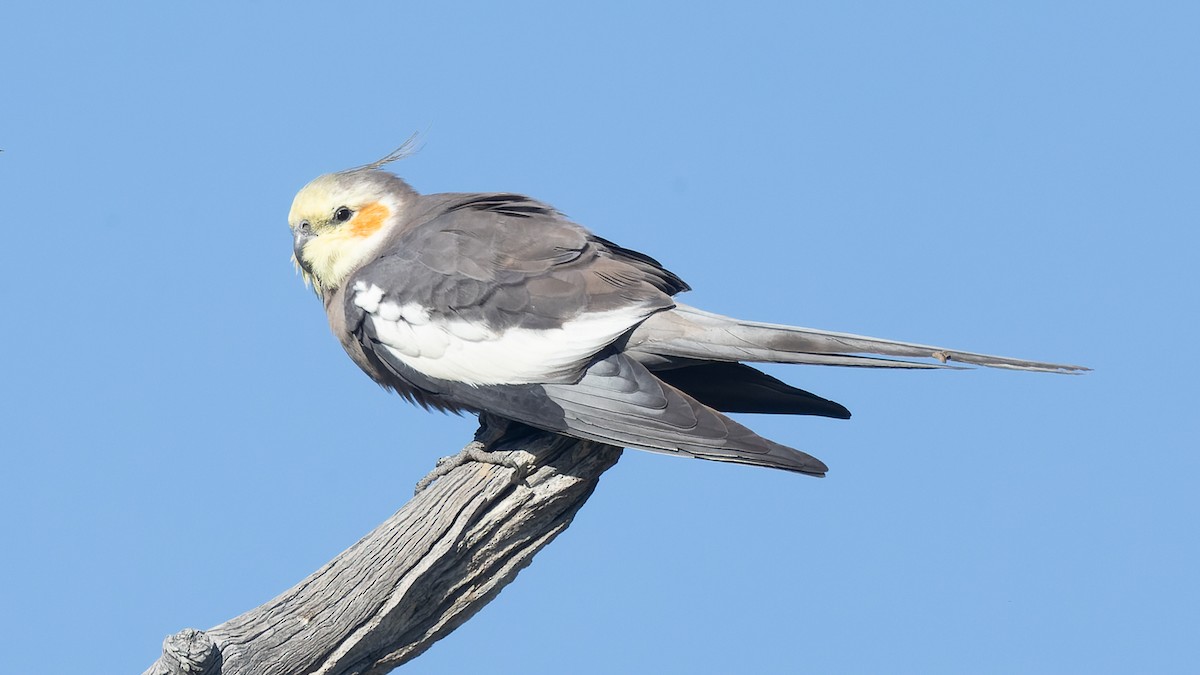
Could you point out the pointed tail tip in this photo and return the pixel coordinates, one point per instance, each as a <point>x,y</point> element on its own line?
<point>814,467</point>
<point>807,465</point>
<point>1052,368</point>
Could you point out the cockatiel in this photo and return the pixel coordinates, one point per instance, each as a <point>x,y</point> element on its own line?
<point>498,303</point>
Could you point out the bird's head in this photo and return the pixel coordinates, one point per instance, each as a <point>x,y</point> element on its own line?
<point>339,219</point>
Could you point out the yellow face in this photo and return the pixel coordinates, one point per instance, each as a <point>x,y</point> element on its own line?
<point>336,221</point>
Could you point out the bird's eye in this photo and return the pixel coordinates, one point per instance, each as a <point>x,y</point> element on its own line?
<point>342,214</point>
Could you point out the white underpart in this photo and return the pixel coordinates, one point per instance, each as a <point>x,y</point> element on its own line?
<point>473,354</point>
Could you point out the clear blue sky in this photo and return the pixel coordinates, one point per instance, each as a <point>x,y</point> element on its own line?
<point>1019,179</point>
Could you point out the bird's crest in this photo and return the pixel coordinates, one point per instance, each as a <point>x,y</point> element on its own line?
<point>408,148</point>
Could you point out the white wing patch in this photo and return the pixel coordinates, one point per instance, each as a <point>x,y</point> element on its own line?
<point>367,298</point>
<point>473,354</point>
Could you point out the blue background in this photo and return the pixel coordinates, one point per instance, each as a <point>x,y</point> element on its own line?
<point>183,439</point>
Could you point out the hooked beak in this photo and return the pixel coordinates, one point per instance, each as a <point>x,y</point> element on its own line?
<point>299,239</point>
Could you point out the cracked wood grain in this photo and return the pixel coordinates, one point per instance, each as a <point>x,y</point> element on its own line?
<point>416,577</point>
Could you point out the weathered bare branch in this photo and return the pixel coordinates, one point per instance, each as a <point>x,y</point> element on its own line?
<point>419,575</point>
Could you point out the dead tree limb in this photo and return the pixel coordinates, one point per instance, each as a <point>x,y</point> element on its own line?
<point>419,575</point>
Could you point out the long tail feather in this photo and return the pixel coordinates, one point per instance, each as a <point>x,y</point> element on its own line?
<point>688,332</point>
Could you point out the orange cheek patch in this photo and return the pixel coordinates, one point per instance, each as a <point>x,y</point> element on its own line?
<point>368,219</point>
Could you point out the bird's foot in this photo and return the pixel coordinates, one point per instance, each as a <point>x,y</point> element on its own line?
<point>476,452</point>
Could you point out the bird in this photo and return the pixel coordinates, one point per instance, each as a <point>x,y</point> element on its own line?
<point>497,303</point>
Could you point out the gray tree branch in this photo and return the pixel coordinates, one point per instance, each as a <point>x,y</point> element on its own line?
<point>419,575</point>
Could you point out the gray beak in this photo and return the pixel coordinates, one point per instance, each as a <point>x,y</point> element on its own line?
<point>299,239</point>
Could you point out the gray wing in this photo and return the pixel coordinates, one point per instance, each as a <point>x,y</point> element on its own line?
<point>500,304</point>
<point>504,260</point>
<point>619,402</point>
<point>499,289</point>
